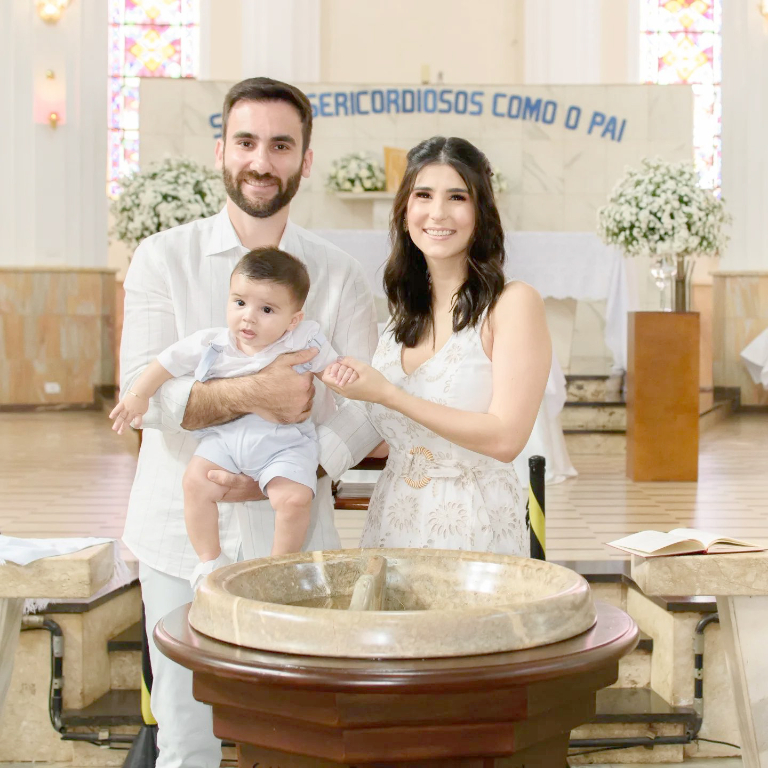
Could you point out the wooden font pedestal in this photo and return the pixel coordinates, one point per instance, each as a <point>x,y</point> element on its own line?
<point>500,710</point>
<point>663,396</point>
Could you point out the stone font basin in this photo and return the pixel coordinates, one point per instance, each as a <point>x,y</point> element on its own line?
<point>406,603</point>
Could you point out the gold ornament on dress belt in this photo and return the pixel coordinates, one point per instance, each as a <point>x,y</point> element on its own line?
<point>424,480</point>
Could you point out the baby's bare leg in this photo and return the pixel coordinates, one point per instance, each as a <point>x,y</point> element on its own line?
<point>292,502</point>
<point>200,511</point>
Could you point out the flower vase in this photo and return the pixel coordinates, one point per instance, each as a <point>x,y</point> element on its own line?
<point>663,272</point>
<point>682,283</point>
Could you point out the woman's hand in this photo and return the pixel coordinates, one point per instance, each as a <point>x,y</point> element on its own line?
<point>357,381</point>
<point>129,411</point>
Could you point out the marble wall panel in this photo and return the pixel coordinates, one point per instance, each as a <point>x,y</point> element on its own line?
<point>739,314</point>
<point>552,159</point>
<point>631,102</point>
<point>55,326</point>
<point>543,168</point>
<point>584,166</point>
<point>581,207</point>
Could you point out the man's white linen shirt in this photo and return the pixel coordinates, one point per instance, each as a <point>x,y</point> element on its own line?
<point>177,284</point>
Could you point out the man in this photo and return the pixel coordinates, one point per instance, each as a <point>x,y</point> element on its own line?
<point>178,283</point>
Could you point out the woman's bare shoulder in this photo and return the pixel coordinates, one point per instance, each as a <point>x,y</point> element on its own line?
<point>517,297</point>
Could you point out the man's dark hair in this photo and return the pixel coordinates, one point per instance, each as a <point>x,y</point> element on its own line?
<point>276,266</point>
<point>266,89</point>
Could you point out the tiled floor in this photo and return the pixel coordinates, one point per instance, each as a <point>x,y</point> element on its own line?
<point>67,474</point>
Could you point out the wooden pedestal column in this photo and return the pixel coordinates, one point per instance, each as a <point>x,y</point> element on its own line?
<point>663,396</point>
<point>498,710</point>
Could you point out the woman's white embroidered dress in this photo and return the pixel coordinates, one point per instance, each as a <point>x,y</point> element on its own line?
<point>432,492</point>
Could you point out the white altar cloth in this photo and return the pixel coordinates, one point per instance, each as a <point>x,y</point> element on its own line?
<point>755,357</point>
<point>560,265</point>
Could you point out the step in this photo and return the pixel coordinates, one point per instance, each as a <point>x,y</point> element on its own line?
<point>124,652</point>
<point>610,416</point>
<point>635,668</point>
<point>623,713</point>
<point>639,705</point>
<point>645,643</point>
<point>592,388</point>
<point>128,640</point>
<point>112,709</point>
<point>693,604</point>
<point>124,670</point>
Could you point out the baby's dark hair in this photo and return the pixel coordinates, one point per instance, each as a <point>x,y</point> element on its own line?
<point>276,266</point>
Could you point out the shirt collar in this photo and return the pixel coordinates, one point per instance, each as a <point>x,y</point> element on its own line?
<point>222,238</point>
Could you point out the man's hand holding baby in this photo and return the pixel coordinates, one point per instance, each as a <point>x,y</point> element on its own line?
<point>277,393</point>
<point>284,395</point>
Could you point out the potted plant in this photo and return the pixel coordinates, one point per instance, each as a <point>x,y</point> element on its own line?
<point>173,191</point>
<point>356,172</point>
<point>660,210</point>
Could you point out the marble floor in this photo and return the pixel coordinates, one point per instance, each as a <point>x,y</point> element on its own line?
<point>67,474</point>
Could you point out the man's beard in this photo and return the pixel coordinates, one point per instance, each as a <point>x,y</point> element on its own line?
<point>265,208</point>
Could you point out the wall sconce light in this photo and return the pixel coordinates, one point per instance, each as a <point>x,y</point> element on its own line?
<point>763,6</point>
<point>49,106</point>
<point>50,10</point>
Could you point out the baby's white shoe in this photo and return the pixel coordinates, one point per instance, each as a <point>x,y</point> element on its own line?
<point>209,566</point>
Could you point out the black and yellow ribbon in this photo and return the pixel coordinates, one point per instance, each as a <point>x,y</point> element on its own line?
<point>536,467</point>
<point>146,678</point>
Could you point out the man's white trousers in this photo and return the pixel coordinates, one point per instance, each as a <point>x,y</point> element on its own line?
<point>185,726</point>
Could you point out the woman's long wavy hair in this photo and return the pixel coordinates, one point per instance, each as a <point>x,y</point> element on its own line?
<point>406,278</point>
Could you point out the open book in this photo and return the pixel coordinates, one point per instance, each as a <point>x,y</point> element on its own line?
<point>681,541</point>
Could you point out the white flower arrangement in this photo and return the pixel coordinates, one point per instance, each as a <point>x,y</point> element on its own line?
<point>171,192</point>
<point>498,181</point>
<point>356,172</point>
<point>661,210</point>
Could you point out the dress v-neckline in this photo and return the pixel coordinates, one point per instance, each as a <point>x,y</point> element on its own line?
<point>423,362</point>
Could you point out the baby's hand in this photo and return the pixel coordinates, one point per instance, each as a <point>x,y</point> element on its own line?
<point>129,411</point>
<point>341,374</point>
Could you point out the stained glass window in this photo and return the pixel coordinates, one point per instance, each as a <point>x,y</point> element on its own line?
<point>680,42</point>
<point>147,38</point>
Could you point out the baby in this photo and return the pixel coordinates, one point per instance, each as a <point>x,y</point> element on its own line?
<point>267,291</point>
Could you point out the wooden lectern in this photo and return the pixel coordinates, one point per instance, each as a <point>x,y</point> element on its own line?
<point>663,396</point>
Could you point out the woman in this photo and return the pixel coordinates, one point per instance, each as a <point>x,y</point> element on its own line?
<point>460,371</point>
